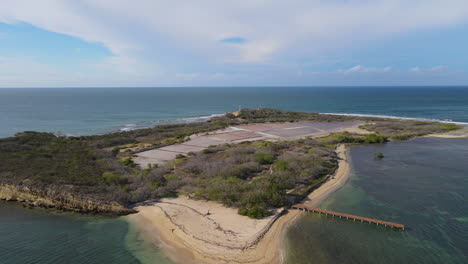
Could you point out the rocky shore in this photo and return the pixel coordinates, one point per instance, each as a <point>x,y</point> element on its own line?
<point>60,200</point>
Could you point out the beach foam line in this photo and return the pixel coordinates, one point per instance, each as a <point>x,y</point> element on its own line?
<point>191,119</point>
<point>180,120</point>
<point>148,124</point>
<point>447,121</point>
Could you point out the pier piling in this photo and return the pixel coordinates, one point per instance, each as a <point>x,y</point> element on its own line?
<point>348,216</point>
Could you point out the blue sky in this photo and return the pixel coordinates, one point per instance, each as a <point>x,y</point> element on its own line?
<point>93,43</point>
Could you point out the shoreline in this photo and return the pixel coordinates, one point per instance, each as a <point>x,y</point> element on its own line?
<point>180,244</point>
<point>457,134</point>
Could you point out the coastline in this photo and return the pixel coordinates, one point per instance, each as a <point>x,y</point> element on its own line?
<point>189,244</point>
<point>335,182</point>
<point>457,134</point>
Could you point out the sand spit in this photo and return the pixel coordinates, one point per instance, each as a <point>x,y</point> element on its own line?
<point>193,231</point>
<point>461,133</point>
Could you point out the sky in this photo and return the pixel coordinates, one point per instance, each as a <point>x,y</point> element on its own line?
<point>108,43</point>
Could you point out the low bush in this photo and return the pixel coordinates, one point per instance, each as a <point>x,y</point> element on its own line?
<point>180,156</point>
<point>256,211</point>
<point>350,138</point>
<point>254,177</point>
<point>264,158</point>
<point>379,155</point>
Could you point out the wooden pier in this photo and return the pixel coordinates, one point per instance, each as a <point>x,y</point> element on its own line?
<point>348,216</point>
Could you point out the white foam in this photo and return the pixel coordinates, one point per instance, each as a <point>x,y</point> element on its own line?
<point>129,127</point>
<point>447,121</point>
<point>198,118</point>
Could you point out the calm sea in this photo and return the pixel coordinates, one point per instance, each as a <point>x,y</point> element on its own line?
<point>89,111</point>
<point>41,236</point>
<point>422,183</point>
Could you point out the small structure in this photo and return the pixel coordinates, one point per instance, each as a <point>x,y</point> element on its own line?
<point>348,216</point>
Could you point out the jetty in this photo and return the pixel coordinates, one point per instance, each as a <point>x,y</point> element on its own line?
<point>348,216</point>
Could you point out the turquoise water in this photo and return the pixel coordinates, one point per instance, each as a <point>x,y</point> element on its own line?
<point>42,237</point>
<point>422,183</point>
<point>89,111</point>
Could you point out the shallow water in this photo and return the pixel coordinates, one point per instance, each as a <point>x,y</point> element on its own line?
<point>404,187</point>
<point>41,237</point>
<point>422,183</point>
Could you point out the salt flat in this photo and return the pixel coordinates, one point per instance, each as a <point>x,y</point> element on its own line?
<point>241,133</point>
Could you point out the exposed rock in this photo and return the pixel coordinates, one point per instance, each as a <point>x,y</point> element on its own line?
<point>60,200</point>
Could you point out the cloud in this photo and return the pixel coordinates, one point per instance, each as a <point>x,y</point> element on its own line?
<point>234,40</point>
<point>362,69</point>
<point>27,71</point>
<point>151,38</point>
<point>440,68</point>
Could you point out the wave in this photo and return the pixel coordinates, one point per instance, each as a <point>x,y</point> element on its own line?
<point>448,121</point>
<point>148,124</point>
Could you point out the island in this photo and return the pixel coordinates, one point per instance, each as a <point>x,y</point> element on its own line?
<point>205,192</point>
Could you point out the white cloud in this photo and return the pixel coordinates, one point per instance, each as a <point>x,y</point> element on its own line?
<point>30,72</point>
<point>362,69</point>
<point>15,69</point>
<point>440,68</point>
<point>200,76</point>
<point>161,38</point>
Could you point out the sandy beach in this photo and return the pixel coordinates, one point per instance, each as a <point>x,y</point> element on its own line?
<point>193,231</point>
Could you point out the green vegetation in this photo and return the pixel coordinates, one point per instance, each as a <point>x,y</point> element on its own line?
<point>345,137</point>
<point>447,127</point>
<point>264,158</point>
<point>405,129</point>
<point>129,162</point>
<point>379,155</point>
<point>42,162</point>
<point>180,156</point>
<point>253,176</point>
<point>110,177</point>
<point>275,115</point>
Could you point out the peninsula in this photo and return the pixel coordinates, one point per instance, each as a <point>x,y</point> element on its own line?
<point>205,192</point>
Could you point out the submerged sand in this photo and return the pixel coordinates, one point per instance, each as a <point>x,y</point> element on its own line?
<point>194,231</point>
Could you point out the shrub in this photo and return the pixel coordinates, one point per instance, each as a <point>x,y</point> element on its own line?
<point>115,151</point>
<point>180,156</point>
<point>256,212</point>
<point>401,137</point>
<point>170,177</point>
<point>129,162</point>
<point>230,116</point>
<point>110,177</point>
<point>264,158</point>
<point>242,171</point>
<point>450,126</point>
<point>281,165</point>
<point>207,151</point>
<point>379,155</point>
<point>347,138</point>
<point>374,139</point>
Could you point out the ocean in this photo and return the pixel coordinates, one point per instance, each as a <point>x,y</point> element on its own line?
<point>422,183</point>
<point>84,111</point>
<point>43,236</point>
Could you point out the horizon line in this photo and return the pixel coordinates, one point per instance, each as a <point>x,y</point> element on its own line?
<point>242,86</point>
